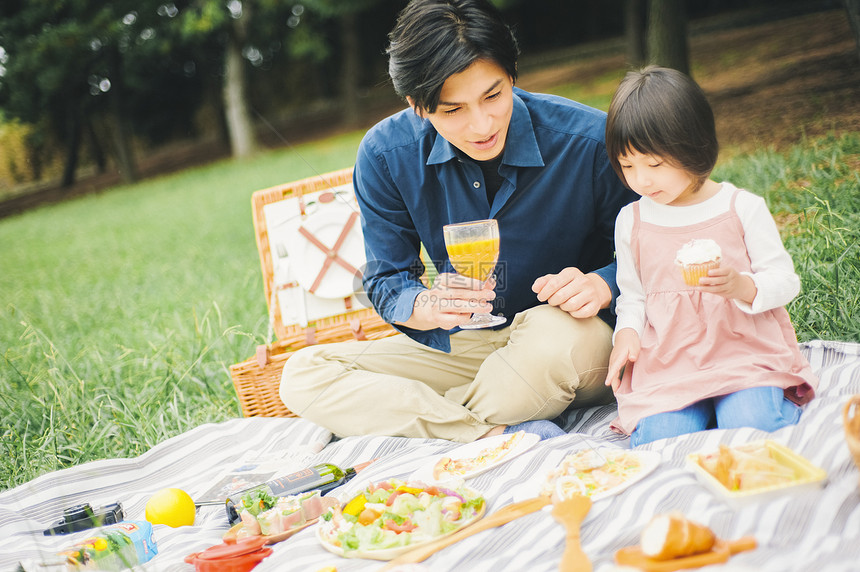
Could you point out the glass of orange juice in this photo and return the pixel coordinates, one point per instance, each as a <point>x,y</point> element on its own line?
<point>473,248</point>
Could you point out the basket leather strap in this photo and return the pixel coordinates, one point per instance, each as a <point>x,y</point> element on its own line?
<point>357,331</point>
<point>331,253</point>
<point>263,354</point>
<point>310,335</point>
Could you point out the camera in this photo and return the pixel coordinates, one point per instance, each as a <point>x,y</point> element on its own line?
<point>82,517</point>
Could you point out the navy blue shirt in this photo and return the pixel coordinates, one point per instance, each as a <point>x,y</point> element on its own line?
<point>556,206</point>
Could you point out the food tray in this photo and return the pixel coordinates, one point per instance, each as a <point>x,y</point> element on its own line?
<point>807,476</point>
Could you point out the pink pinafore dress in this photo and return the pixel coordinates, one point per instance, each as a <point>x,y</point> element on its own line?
<point>697,345</point>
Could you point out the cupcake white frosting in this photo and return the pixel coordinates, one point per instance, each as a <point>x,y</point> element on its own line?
<point>698,251</point>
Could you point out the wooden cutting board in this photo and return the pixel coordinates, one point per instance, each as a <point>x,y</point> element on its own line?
<point>721,552</point>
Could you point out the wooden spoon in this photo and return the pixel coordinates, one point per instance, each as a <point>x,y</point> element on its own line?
<point>498,518</point>
<point>570,512</point>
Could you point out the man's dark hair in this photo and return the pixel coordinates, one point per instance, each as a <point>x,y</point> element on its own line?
<point>663,112</point>
<point>435,39</point>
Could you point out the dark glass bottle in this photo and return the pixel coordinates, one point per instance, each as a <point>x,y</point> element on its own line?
<point>323,477</point>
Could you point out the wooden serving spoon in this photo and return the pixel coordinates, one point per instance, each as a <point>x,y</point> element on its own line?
<point>498,518</point>
<point>570,513</point>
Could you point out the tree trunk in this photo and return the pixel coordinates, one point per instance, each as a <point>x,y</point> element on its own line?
<point>635,17</point>
<point>35,152</point>
<point>243,140</point>
<point>73,140</point>
<point>95,146</point>
<point>121,135</point>
<point>351,71</point>
<point>667,35</point>
<point>852,7</point>
<point>120,132</point>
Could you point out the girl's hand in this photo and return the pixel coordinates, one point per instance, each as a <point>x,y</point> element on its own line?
<point>729,283</point>
<point>450,302</point>
<point>625,350</point>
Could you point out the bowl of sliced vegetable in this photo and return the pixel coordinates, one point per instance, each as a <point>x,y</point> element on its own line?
<point>392,517</point>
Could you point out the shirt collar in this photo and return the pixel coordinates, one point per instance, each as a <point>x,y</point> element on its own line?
<point>521,150</point>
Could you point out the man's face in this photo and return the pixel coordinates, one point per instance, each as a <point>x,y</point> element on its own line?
<point>474,110</point>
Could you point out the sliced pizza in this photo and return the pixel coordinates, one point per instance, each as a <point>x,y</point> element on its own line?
<point>458,467</point>
<point>598,473</point>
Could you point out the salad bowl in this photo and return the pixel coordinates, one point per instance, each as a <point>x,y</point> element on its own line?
<point>393,517</point>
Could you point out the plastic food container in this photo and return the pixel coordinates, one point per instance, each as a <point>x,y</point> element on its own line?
<point>238,556</point>
<point>806,476</point>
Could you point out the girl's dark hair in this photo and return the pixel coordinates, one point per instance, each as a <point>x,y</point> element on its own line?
<point>663,112</point>
<point>435,39</point>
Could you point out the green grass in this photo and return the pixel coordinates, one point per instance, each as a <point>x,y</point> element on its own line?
<point>122,312</point>
<point>814,190</point>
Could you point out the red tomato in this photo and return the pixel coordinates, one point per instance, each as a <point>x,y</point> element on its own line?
<point>390,500</point>
<point>407,526</point>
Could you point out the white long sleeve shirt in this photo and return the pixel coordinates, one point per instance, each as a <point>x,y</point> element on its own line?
<point>772,268</point>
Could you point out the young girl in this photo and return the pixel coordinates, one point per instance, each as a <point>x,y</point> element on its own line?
<point>702,335</point>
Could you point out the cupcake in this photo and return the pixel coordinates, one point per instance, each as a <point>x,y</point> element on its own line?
<point>697,257</point>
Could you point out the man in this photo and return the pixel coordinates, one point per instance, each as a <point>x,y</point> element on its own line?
<point>472,146</point>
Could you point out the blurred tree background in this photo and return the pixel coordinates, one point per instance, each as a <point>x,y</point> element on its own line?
<point>91,86</point>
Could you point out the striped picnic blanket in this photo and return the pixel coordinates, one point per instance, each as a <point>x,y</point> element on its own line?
<point>817,530</point>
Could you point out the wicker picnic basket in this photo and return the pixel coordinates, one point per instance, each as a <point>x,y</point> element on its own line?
<point>257,379</point>
<point>851,420</point>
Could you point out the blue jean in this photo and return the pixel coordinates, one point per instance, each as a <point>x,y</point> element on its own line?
<point>764,408</point>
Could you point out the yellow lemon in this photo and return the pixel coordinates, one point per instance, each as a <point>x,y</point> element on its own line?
<point>172,507</point>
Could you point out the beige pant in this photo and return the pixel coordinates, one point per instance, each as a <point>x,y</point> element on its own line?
<point>532,369</point>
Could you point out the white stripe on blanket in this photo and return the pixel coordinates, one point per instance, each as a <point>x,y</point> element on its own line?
<point>819,530</point>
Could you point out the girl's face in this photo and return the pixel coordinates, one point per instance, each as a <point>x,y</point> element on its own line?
<point>653,177</point>
<point>474,110</point>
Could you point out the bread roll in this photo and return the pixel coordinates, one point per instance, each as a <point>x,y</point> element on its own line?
<point>746,467</point>
<point>672,535</point>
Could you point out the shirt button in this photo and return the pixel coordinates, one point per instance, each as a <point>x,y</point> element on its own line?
<point>477,184</point>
